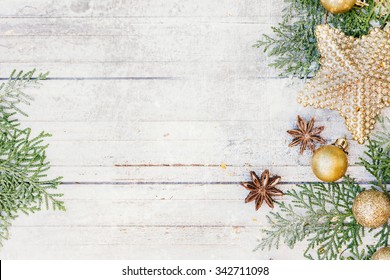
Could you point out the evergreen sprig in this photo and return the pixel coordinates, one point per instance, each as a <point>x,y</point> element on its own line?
<point>293,43</point>
<point>382,137</point>
<point>321,213</point>
<point>24,186</point>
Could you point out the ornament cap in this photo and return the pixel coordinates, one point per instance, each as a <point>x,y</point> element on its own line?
<point>341,143</point>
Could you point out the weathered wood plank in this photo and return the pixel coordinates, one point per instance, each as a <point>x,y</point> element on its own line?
<point>122,153</point>
<point>139,8</point>
<point>193,173</point>
<point>140,243</point>
<point>177,205</point>
<point>125,27</point>
<point>147,205</point>
<point>143,243</point>
<point>163,212</point>
<point>142,252</point>
<point>147,43</point>
<point>169,193</point>
<point>174,100</point>
<point>150,70</point>
<point>171,130</point>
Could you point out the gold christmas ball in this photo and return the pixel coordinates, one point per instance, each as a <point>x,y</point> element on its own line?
<point>329,163</point>
<point>371,208</point>
<point>338,6</point>
<point>382,254</point>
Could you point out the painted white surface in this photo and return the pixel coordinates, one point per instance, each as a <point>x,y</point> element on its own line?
<point>146,100</point>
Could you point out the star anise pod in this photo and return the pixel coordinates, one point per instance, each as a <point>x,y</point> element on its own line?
<point>262,189</point>
<point>306,135</point>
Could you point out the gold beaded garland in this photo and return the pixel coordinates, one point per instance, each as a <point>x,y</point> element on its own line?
<point>382,254</point>
<point>371,208</point>
<point>354,78</point>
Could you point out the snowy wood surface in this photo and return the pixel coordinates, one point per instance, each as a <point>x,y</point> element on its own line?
<point>147,100</point>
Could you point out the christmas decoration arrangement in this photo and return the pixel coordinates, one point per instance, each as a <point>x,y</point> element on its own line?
<point>335,218</point>
<point>343,48</point>
<point>294,44</point>
<point>24,186</point>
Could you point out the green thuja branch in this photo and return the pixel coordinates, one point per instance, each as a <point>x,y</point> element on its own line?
<point>24,186</point>
<point>293,43</point>
<point>319,213</point>
<point>376,159</point>
<point>382,137</point>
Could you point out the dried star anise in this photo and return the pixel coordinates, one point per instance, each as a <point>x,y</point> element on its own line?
<point>306,135</point>
<point>262,189</point>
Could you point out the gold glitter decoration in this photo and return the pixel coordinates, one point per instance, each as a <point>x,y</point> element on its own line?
<point>382,254</point>
<point>329,163</point>
<point>338,6</point>
<point>354,78</point>
<point>371,208</point>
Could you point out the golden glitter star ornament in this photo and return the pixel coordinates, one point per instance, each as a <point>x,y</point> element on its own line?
<point>354,78</point>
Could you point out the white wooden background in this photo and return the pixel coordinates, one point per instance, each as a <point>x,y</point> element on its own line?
<point>146,100</point>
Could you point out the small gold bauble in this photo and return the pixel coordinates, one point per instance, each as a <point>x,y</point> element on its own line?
<point>338,6</point>
<point>330,162</point>
<point>382,254</point>
<point>371,208</point>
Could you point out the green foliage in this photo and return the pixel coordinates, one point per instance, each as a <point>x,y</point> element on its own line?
<point>382,137</point>
<point>321,214</point>
<point>23,165</point>
<point>294,44</point>
<point>376,159</point>
<point>326,221</point>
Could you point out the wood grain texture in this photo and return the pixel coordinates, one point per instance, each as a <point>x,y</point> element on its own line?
<point>148,101</point>
<point>139,8</point>
<point>142,243</point>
